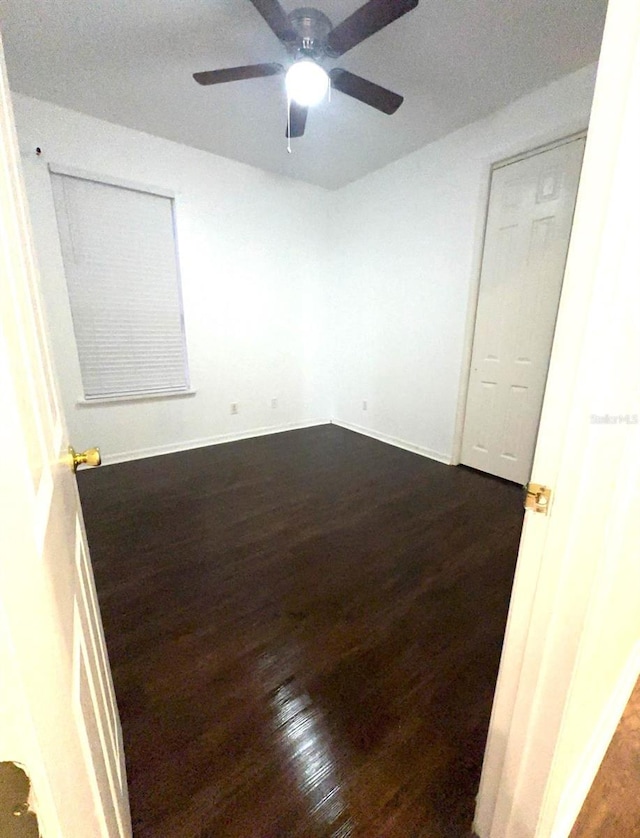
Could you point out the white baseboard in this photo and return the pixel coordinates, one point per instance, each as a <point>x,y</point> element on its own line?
<point>399,443</point>
<point>582,779</point>
<point>219,439</point>
<point>142,453</point>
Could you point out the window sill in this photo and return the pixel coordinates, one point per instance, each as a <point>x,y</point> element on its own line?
<point>143,397</point>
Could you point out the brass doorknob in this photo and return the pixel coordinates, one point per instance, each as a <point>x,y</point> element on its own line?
<point>90,457</point>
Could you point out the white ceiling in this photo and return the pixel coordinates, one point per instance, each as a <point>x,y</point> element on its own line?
<point>130,62</point>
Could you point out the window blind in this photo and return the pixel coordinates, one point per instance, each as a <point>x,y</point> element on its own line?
<point>119,253</point>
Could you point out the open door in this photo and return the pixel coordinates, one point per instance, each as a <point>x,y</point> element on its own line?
<point>58,715</point>
<point>572,646</point>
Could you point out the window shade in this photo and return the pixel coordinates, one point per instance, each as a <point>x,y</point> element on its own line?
<point>120,262</point>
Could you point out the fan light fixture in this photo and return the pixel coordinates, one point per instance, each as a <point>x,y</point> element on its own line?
<point>311,39</point>
<point>306,82</point>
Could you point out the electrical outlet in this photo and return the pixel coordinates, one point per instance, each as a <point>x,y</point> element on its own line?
<point>234,408</point>
<point>274,404</point>
<point>365,405</point>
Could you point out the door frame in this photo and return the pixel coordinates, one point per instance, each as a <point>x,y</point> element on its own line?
<point>474,286</point>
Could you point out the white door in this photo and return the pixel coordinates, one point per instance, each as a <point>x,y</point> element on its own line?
<point>58,716</point>
<point>528,224</point>
<point>572,646</point>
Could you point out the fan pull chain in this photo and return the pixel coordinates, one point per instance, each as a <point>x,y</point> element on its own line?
<point>289,124</point>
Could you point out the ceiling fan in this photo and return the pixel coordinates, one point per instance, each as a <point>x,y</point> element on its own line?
<point>311,39</point>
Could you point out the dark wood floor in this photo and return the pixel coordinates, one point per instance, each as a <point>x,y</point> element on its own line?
<point>304,631</point>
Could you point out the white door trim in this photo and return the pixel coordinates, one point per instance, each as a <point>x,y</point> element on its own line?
<point>474,287</point>
<point>581,780</point>
<point>540,149</point>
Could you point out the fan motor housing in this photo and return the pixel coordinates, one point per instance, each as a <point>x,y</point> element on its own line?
<point>311,27</point>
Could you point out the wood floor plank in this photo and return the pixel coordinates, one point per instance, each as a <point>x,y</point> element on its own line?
<point>304,631</point>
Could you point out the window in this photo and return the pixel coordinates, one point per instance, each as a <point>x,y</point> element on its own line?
<point>120,259</point>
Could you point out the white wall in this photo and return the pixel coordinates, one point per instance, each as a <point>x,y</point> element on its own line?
<point>409,240</point>
<point>250,253</point>
<point>320,299</point>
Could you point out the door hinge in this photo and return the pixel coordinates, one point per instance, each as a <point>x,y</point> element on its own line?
<point>537,497</point>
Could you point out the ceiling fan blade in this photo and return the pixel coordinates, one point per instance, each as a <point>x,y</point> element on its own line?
<point>366,21</point>
<point>366,91</point>
<point>248,71</point>
<point>298,120</point>
<point>275,16</point>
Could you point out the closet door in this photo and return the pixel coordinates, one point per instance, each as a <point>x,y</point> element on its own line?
<point>529,221</point>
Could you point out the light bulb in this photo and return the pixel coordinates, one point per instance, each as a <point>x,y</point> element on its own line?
<point>306,82</point>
